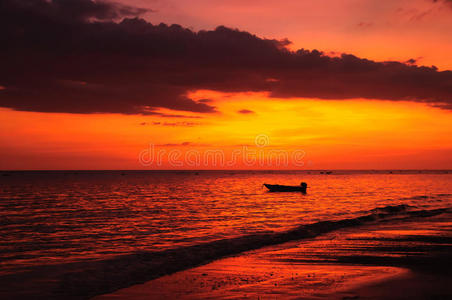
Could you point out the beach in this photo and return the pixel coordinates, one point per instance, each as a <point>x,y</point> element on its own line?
<point>356,266</point>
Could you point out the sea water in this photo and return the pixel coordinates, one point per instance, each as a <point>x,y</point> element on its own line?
<point>58,217</point>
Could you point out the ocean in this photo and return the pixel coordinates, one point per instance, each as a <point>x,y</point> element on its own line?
<point>72,220</point>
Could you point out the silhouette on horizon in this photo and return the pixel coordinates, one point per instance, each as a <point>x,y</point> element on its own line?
<point>287,188</point>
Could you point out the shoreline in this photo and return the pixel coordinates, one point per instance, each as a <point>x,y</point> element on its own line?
<point>296,251</point>
<point>302,269</point>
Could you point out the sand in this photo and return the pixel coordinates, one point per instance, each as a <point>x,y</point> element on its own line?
<point>403,258</point>
<point>394,260</point>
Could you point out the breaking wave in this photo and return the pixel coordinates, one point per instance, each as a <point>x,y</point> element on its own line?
<point>86,279</point>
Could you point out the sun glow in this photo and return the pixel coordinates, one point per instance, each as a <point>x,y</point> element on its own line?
<point>333,133</point>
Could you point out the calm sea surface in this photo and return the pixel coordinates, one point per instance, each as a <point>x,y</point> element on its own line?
<point>66,216</point>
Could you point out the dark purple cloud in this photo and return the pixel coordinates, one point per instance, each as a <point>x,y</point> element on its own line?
<point>176,145</point>
<point>72,10</point>
<point>183,124</point>
<point>445,2</point>
<point>81,56</point>
<point>245,111</point>
<point>365,24</point>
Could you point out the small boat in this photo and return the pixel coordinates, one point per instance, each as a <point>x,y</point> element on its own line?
<point>287,188</point>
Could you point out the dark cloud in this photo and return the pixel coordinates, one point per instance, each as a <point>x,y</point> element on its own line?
<point>446,2</point>
<point>101,57</point>
<point>205,100</point>
<point>365,24</point>
<point>184,144</point>
<point>245,111</point>
<point>56,58</point>
<point>176,145</point>
<point>165,115</point>
<point>182,124</point>
<point>68,11</point>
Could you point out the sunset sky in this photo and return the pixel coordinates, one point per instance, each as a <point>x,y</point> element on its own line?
<point>352,84</point>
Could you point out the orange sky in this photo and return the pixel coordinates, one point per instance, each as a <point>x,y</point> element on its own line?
<point>353,134</point>
<point>332,134</point>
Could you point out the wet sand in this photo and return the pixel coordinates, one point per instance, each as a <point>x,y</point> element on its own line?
<point>391,260</point>
<point>379,256</point>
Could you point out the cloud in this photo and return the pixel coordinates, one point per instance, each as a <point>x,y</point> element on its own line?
<point>205,100</point>
<point>176,145</point>
<point>183,124</point>
<point>184,144</point>
<point>245,111</point>
<point>365,24</point>
<point>165,115</point>
<point>71,10</point>
<point>445,2</point>
<point>101,57</point>
<point>70,56</point>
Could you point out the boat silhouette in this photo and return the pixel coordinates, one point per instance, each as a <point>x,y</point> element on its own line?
<point>287,188</point>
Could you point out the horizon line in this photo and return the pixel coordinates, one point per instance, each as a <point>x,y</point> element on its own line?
<point>204,170</point>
